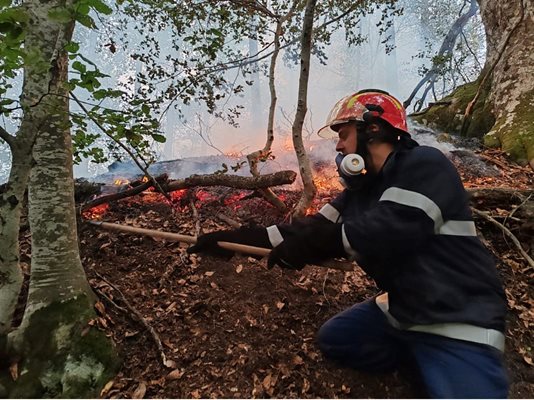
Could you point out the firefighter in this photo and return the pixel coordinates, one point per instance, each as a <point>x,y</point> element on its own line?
<point>404,217</point>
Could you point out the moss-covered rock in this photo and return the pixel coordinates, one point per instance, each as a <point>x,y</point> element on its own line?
<point>62,356</point>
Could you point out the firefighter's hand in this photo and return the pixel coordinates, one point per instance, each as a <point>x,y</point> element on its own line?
<point>286,255</point>
<point>208,244</point>
<point>311,245</point>
<point>252,236</point>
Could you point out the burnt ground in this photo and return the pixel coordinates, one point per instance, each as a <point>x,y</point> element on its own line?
<point>233,329</point>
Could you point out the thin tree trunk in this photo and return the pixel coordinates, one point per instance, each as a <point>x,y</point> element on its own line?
<point>306,174</point>
<point>10,210</point>
<point>254,158</point>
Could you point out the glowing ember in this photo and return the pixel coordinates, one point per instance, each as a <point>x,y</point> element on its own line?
<point>96,212</point>
<point>205,196</point>
<point>234,200</point>
<point>178,195</point>
<point>145,179</point>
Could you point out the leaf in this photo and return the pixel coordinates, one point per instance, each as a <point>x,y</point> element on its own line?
<point>100,308</point>
<point>159,138</point>
<point>239,268</point>
<point>106,388</point>
<point>297,360</point>
<point>72,47</point>
<point>170,363</point>
<point>174,375</point>
<point>86,21</point>
<point>100,6</point>
<point>140,392</point>
<point>78,66</point>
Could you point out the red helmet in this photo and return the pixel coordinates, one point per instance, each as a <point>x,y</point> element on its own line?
<point>362,106</point>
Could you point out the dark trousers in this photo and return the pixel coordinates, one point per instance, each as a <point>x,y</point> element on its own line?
<point>361,338</point>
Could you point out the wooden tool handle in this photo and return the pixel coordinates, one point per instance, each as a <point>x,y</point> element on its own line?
<point>177,237</point>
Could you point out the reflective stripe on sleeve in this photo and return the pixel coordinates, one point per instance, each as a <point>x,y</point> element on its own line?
<point>275,237</point>
<point>458,228</point>
<point>346,245</point>
<point>470,333</point>
<point>330,213</point>
<point>431,209</point>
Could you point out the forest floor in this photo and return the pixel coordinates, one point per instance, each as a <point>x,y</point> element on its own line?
<point>234,329</point>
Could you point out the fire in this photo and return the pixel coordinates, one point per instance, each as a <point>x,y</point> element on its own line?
<point>120,182</point>
<point>145,179</point>
<point>96,212</point>
<point>233,201</point>
<point>327,181</point>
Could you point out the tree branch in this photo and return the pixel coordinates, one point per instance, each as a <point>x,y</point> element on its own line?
<point>123,146</point>
<point>6,137</point>
<point>508,233</point>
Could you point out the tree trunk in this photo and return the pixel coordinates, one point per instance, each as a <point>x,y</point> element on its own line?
<point>306,174</point>
<point>500,101</point>
<point>59,353</point>
<point>510,43</point>
<point>10,211</point>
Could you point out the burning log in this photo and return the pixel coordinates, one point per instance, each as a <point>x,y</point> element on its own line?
<point>233,181</point>
<point>176,237</point>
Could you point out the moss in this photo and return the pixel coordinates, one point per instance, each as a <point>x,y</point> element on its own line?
<point>62,356</point>
<point>450,118</point>
<point>515,132</point>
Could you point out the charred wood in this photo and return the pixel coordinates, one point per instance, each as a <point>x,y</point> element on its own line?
<point>233,181</point>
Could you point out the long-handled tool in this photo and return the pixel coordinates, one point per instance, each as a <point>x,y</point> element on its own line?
<point>176,237</point>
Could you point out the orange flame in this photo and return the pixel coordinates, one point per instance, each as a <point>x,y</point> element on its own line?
<point>119,182</point>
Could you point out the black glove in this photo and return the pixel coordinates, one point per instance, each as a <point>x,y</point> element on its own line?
<point>252,236</point>
<point>312,245</point>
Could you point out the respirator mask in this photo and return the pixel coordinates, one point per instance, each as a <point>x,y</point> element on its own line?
<point>351,170</point>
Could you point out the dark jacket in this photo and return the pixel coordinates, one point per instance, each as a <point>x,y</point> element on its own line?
<point>413,233</point>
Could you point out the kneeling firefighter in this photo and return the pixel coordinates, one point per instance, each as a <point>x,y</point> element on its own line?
<point>404,217</point>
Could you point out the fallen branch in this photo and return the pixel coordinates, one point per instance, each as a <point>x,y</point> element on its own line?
<point>229,221</point>
<point>233,181</point>
<point>166,362</point>
<point>123,194</point>
<point>177,237</point>
<point>508,233</point>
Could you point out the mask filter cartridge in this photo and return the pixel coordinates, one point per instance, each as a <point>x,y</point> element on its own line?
<point>351,165</point>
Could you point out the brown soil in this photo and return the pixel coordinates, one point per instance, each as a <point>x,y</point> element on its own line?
<point>234,329</point>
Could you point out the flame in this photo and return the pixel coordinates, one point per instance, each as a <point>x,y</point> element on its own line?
<point>145,179</point>
<point>120,181</point>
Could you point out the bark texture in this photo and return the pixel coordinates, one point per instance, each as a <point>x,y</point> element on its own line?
<point>512,86</point>
<point>58,353</point>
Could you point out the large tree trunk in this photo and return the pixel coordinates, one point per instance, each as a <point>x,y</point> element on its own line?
<point>504,92</point>
<point>59,353</point>
<point>510,43</point>
<point>305,170</point>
